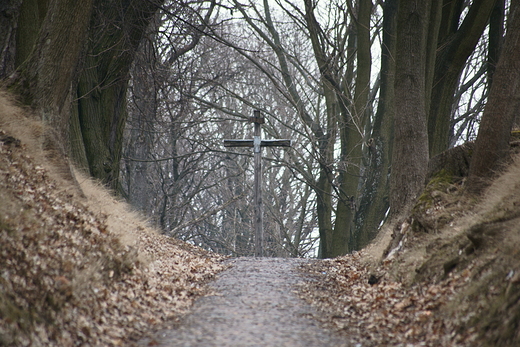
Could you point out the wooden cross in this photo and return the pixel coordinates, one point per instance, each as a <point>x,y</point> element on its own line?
<point>257,143</point>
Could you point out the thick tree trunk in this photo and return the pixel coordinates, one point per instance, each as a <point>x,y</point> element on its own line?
<point>46,77</point>
<point>77,147</point>
<point>374,202</point>
<point>351,134</point>
<point>32,15</point>
<point>435,20</point>
<point>326,139</point>
<point>492,144</point>
<point>140,130</point>
<point>410,150</point>
<point>496,38</point>
<point>324,211</point>
<point>116,30</point>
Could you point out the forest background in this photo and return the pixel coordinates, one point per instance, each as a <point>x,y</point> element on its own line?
<point>140,94</point>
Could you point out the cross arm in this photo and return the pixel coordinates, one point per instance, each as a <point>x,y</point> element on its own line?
<point>238,143</point>
<point>264,143</point>
<point>276,143</point>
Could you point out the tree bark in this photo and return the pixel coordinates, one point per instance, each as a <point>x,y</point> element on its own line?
<point>496,38</point>
<point>46,77</point>
<point>352,126</point>
<point>492,144</point>
<point>32,14</point>
<point>139,137</point>
<point>410,150</point>
<point>374,202</point>
<point>434,25</point>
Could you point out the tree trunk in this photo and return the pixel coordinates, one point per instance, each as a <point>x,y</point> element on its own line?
<point>492,144</point>
<point>324,211</point>
<point>32,14</point>
<point>410,150</point>
<point>351,135</point>
<point>77,147</point>
<point>374,202</point>
<point>116,30</point>
<point>47,75</point>
<point>435,21</point>
<point>325,140</point>
<point>496,38</point>
<point>140,130</point>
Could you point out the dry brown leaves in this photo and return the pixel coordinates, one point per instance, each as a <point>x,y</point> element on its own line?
<point>386,313</point>
<point>66,280</point>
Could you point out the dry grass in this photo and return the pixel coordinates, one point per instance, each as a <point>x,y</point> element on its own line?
<point>21,123</point>
<point>120,218</point>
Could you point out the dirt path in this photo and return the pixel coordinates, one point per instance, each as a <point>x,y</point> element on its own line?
<point>254,305</point>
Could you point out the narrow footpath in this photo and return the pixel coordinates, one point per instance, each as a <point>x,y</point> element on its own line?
<point>253,304</point>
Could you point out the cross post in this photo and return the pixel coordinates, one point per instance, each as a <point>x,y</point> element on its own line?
<point>257,143</point>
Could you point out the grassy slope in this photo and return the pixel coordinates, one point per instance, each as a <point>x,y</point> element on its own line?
<point>453,280</point>
<point>76,266</point>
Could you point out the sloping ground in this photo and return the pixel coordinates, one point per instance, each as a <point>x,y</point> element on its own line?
<point>76,266</point>
<point>452,280</point>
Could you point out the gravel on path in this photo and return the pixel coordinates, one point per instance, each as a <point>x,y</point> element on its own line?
<point>254,304</point>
